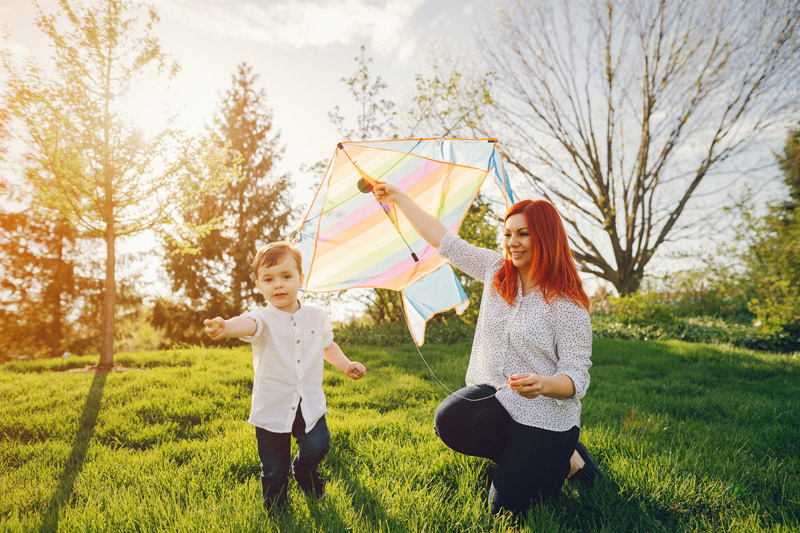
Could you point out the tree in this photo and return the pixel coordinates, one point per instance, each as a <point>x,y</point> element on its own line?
<point>376,115</point>
<point>38,284</point>
<point>789,163</point>
<point>4,135</point>
<point>450,102</point>
<point>618,111</point>
<point>773,253</point>
<point>252,211</point>
<point>84,158</point>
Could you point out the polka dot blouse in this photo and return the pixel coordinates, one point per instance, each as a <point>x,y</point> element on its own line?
<point>530,336</point>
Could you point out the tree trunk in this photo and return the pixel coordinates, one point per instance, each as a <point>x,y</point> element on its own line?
<point>109,303</point>
<point>54,340</point>
<point>628,285</point>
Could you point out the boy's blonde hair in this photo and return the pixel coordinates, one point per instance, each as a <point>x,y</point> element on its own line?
<point>273,253</point>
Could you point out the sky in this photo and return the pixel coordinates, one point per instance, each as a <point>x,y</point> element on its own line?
<point>300,49</point>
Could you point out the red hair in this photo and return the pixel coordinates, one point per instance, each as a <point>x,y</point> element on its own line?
<point>552,266</point>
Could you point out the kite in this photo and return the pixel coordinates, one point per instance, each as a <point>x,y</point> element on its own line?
<point>348,239</point>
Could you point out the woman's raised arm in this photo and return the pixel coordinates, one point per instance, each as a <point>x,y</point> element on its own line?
<point>427,225</point>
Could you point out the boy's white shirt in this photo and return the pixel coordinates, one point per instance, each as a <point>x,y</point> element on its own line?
<point>288,361</point>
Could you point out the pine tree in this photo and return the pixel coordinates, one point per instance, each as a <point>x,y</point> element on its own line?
<point>252,211</point>
<point>773,255</point>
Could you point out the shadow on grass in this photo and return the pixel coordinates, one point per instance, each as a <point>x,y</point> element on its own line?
<point>372,508</point>
<point>605,506</point>
<point>74,464</point>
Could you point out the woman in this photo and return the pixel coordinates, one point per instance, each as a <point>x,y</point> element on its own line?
<point>530,358</point>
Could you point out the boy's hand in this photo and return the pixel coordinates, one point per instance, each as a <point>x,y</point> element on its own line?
<point>355,370</point>
<point>215,328</point>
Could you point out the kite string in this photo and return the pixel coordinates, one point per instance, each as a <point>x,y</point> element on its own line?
<point>402,308</point>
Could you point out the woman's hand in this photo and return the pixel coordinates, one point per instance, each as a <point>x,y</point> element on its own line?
<point>527,385</point>
<point>215,328</point>
<point>387,193</point>
<point>355,370</point>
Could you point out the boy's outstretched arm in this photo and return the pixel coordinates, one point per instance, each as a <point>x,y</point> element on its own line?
<point>335,356</point>
<point>238,326</point>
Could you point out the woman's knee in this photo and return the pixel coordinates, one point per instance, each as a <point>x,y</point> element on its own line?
<point>447,423</point>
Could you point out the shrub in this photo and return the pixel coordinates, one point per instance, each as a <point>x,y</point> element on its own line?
<point>640,309</point>
<point>396,333</point>
<point>707,329</point>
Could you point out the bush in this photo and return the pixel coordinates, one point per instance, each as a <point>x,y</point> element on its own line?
<point>640,309</point>
<point>397,333</point>
<point>706,329</point>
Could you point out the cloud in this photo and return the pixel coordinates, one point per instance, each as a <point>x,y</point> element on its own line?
<point>384,24</point>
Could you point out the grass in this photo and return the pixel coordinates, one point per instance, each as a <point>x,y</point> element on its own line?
<point>690,437</point>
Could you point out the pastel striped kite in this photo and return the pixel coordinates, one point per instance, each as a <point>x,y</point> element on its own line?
<point>348,239</point>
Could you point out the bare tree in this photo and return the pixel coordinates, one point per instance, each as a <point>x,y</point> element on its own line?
<point>616,111</point>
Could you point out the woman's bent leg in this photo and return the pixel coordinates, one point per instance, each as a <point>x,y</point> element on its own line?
<point>533,467</point>
<point>470,422</point>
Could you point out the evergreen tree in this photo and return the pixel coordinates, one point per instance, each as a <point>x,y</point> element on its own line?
<point>216,278</point>
<point>39,283</point>
<point>773,254</point>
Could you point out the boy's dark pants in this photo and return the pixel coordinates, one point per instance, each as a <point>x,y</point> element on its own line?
<point>274,450</point>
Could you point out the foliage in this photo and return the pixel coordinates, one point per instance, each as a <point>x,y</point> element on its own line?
<point>375,115</point>
<point>40,283</point>
<point>449,102</point>
<point>703,329</point>
<point>84,157</point>
<point>621,111</point>
<point>710,304</point>
<point>216,276</point>
<point>639,309</point>
<point>769,248</point>
<point>166,446</point>
<point>448,330</point>
<point>773,254</point>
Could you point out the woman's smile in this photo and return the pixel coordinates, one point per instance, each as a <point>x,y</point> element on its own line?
<point>517,240</point>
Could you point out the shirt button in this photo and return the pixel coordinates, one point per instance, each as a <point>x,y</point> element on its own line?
<point>292,408</point>
<point>312,331</point>
<point>298,341</point>
<point>294,323</point>
<point>298,361</point>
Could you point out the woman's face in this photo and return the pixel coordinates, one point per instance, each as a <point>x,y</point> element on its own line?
<point>517,241</point>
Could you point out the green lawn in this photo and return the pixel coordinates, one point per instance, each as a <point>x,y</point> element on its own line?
<point>690,437</point>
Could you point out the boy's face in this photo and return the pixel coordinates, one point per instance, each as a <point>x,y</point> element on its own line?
<point>279,284</point>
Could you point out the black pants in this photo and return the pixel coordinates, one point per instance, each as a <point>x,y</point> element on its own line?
<point>274,450</point>
<point>532,463</point>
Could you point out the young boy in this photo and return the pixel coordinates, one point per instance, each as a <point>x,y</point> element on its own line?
<point>289,341</point>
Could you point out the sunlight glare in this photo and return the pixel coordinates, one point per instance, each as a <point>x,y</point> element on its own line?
<point>153,104</point>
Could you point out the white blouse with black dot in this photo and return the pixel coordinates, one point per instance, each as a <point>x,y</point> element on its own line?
<point>530,336</point>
